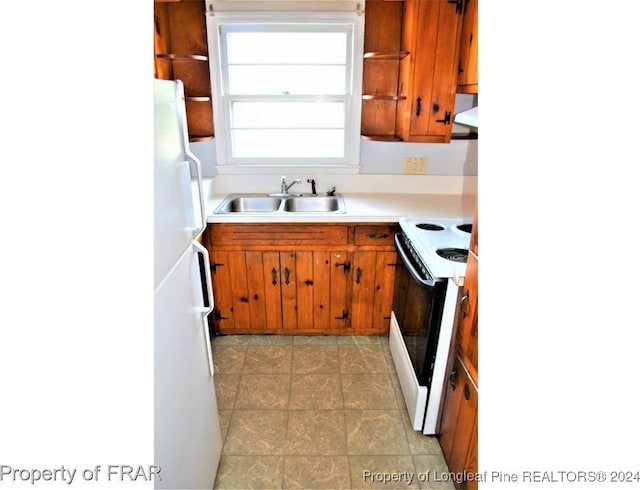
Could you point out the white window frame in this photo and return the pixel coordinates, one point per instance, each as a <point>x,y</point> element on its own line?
<point>353,22</point>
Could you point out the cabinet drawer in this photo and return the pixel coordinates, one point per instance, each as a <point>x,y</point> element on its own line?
<point>277,234</point>
<point>374,234</point>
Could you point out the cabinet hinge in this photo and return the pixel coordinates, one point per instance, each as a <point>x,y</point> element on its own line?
<point>446,119</point>
<point>458,4</point>
<point>345,315</point>
<point>218,315</point>
<point>346,264</point>
<point>213,266</point>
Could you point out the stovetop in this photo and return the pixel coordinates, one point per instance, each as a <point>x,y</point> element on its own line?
<point>442,244</point>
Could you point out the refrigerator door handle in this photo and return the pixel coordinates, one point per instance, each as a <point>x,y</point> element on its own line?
<point>182,115</point>
<point>203,217</point>
<point>206,310</point>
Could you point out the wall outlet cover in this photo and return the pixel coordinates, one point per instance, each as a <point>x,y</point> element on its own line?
<point>415,165</point>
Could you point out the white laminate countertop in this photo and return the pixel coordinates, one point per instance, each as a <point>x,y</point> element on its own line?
<point>361,207</point>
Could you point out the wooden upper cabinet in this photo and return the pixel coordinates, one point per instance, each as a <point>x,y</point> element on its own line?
<point>410,69</point>
<point>468,64</point>
<point>428,76</point>
<point>181,53</point>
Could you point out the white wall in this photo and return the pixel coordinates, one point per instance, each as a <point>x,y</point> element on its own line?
<point>460,157</point>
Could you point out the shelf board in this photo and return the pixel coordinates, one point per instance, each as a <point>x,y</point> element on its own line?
<point>384,97</point>
<point>376,55</point>
<point>183,57</point>
<point>381,137</point>
<point>198,98</point>
<point>195,137</point>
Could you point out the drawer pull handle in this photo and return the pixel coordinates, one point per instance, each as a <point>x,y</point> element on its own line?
<point>377,236</point>
<point>453,377</point>
<point>464,304</point>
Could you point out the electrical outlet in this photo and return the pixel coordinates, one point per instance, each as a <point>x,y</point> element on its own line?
<point>415,165</point>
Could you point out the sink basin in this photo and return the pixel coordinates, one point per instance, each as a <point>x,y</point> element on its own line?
<point>267,204</point>
<point>249,204</point>
<point>314,204</point>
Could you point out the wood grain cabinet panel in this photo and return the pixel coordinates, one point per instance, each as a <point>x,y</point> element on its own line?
<point>458,433</point>
<point>467,331</point>
<point>468,65</point>
<point>429,75</point>
<point>301,279</point>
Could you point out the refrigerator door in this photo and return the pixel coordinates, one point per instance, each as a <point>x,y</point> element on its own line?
<point>188,441</point>
<point>178,201</point>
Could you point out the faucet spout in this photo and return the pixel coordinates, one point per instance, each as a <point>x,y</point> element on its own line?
<point>284,187</point>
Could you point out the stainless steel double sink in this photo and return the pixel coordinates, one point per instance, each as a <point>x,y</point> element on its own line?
<point>268,204</point>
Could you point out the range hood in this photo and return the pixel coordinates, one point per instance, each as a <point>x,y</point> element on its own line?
<point>467,118</point>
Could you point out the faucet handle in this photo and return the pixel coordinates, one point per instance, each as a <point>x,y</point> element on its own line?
<point>332,191</point>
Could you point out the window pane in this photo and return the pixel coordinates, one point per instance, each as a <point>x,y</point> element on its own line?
<point>286,47</point>
<point>289,79</point>
<point>288,115</point>
<point>292,143</point>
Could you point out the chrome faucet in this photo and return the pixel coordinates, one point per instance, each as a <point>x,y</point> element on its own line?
<point>284,188</point>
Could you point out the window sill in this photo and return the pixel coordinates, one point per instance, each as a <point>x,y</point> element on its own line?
<point>284,168</point>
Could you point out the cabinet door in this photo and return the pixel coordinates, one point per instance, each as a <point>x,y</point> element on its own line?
<point>372,282</point>
<point>314,290</point>
<point>468,65</point>
<point>467,329</point>
<point>459,423</point>
<point>429,73</point>
<point>246,298</point>
<point>451,410</point>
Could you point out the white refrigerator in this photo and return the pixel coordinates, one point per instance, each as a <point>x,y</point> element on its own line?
<point>187,440</point>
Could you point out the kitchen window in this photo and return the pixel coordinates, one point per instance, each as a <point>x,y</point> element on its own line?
<point>287,89</point>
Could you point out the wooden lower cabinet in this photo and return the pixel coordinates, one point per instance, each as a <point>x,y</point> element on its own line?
<point>459,428</point>
<point>287,284</point>
<point>372,293</point>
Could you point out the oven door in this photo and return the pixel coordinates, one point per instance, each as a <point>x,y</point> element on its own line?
<point>415,328</point>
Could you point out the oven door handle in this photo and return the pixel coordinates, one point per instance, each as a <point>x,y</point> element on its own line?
<point>405,260</point>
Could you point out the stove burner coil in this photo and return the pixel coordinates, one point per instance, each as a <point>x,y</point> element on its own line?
<point>465,227</point>
<point>429,227</point>
<point>453,254</point>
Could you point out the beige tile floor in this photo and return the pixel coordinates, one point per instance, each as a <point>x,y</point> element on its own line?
<point>317,412</point>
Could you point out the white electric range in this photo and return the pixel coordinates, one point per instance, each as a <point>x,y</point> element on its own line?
<point>442,244</point>
<point>431,269</point>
